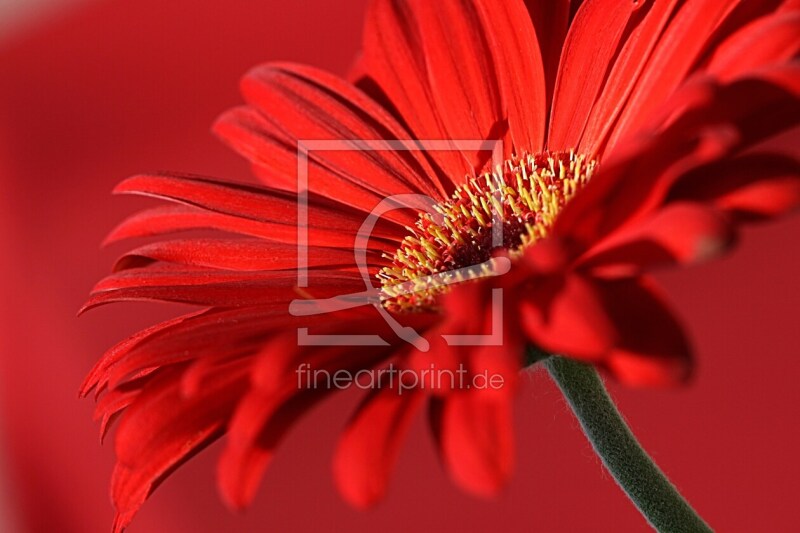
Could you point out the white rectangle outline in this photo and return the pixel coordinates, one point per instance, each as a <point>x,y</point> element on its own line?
<point>305,146</point>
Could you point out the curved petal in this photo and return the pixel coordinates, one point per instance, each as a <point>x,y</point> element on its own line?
<point>266,414</point>
<point>567,315</point>
<point>201,286</point>
<point>628,66</point>
<point>242,464</point>
<point>95,379</point>
<point>677,50</point>
<point>743,14</point>
<point>461,69</point>
<point>707,123</point>
<point>434,60</point>
<point>240,200</point>
<point>302,103</point>
<point>393,58</point>
<point>213,339</point>
<point>161,430</point>
<point>765,41</point>
<point>755,185</point>
<point>258,139</point>
<point>468,58</point>
<point>243,255</point>
<point>681,232</point>
<point>476,439</point>
<point>622,325</point>
<point>551,19</point>
<point>653,350</point>
<point>273,215</point>
<point>370,444</point>
<point>519,70</point>
<point>175,218</point>
<point>585,61</point>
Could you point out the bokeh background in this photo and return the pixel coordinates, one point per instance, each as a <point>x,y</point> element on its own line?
<point>93,91</point>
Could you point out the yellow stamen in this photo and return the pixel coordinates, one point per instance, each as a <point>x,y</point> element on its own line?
<point>524,195</point>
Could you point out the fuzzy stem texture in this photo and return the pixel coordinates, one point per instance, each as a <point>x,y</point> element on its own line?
<point>645,484</point>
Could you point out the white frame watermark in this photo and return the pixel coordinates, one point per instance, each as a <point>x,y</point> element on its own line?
<point>371,294</point>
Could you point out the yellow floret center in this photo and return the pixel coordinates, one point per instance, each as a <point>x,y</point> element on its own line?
<point>507,209</point>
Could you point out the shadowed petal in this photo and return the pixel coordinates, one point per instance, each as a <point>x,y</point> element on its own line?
<point>370,444</point>
<point>551,20</point>
<point>161,430</point>
<point>475,436</point>
<point>755,185</point>
<point>519,70</point>
<point>768,40</point>
<point>682,232</point>
<point>653,350</point>
<point>566,315</point>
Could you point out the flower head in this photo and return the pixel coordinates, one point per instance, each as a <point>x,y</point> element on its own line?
<point>633,135</point>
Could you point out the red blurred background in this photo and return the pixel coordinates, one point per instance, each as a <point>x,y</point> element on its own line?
<point>107,89</point>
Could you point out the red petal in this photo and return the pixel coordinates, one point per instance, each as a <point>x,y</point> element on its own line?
<point>238,254</point>
<point>567,316</point>
<point>115,354</point>
<point>187,337</point>
<point>113,403</point>
<point>472,309</point>
<point>252,135</point>
<point>393,57</point>
<point>765,41</point>
<point>239,208</point>
<point>239,200</point>
<point>214,344</point>
<point>743,14</point>
<point>678,49</point>
<point>199,286</point>
<point>641,343</point>
<point>652,348</point>
<point>457,359</point>
<point>178,218</point>
<point>760,185</point>
<point>175,218</point>
<point>519,70</point>
<point>161,430</point>
<point>755,108</point>
<point>370,445</point>
<point>592,40</point>
<point>475,435</point>
<point>436,59</point>
<point>714,122</point>
<point>551,20</point>
<point>461,75</point>
<point>303,103</point>
<point>622,79</point>
<point>679,233</point>
<point>266,414</point>
<point>242,464</point>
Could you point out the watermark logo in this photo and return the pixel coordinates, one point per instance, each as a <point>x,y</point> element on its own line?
<point>371,295</point>
<point>399,379</point>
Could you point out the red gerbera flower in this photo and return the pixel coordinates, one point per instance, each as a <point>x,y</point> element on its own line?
<point>635,135</point>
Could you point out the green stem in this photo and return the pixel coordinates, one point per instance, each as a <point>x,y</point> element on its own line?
<point>641,479</point>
